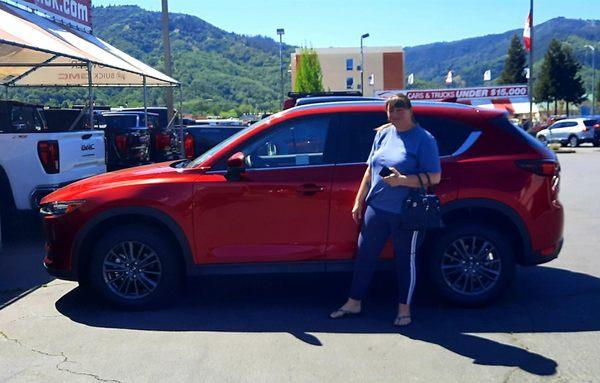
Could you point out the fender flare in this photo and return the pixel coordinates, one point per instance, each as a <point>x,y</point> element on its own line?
<point>500,207</point>
<point>154,213</point>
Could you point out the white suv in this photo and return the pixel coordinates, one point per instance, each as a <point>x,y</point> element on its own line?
<point>572,132</point>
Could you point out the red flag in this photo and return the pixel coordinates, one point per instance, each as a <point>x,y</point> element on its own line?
<point>527,33</point>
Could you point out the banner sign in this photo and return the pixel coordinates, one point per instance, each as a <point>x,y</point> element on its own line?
<point>459,93</point>
<point>73,13</point>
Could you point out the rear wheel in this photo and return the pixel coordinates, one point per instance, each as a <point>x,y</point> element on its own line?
<point>471,264</point>
<point>134,267</point>
<point>573,141</point>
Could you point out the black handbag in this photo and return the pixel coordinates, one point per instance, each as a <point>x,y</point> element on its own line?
<point>421,211</point>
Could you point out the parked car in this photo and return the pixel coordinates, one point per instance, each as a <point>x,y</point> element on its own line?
<point>572,132</point>
<point>200,138</point>
<point>127,140</point>
<point>277,197</point>
<point>36,160</point>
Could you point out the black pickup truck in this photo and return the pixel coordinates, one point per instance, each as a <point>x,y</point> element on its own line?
<point>127,140</point>
<point>200,138</point>
<point>164,141</point>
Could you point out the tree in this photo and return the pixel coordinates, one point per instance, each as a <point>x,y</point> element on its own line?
<point>514,66</point>
<point>571,84</point>
<point>309,77</point>
<point>543,91</point>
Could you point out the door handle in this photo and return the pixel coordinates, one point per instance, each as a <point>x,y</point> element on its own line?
<point>310,189</point>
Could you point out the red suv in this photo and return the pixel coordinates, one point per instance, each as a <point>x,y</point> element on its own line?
<point>277,197</point>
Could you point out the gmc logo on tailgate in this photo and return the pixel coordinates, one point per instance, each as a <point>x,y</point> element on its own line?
<point>87,147</point>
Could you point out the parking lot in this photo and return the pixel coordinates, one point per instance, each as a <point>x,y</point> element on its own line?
<point>275,327</point>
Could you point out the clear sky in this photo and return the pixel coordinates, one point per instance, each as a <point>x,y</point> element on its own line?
<point>335,23</point>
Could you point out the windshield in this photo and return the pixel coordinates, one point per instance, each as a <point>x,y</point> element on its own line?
<point>209,153</point>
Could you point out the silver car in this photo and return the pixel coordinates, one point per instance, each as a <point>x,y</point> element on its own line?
<point>572,132</point>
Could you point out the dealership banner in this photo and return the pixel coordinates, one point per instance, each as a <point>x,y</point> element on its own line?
<point>459,93</point>
<point>74,13</point>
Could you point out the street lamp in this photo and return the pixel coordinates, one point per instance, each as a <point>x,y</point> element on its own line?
<point>280,32</point>
<point>593,77</point>
<point>362,63</point>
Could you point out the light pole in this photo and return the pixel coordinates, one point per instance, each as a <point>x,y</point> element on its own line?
<point>280,32</point>
<point>362,64</point>
<point>593,77</point>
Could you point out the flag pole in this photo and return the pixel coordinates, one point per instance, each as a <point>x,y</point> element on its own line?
<point>530,79</point>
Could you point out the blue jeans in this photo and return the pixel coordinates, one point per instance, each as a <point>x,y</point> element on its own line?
<point>376,229</point>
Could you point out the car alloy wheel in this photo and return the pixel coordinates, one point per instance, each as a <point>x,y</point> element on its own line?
<point>132,270</point>
<point>573,142</point>
<point>471,266</point>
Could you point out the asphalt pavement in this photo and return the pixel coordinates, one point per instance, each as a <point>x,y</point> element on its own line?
<point>275,327</point>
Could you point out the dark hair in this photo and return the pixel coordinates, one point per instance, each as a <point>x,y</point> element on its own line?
<point>398,101</point>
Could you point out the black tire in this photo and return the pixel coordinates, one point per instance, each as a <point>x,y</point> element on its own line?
<point>135,267</point>
<point>596,143</point>
<point>573,141</point>
<point>446,266</point>
<point>543,139</point>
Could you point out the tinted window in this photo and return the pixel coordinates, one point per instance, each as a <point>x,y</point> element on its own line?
<point>590,122</point>
<point>121,122</point>
<point>298,142</point>
<point>209,137</point>
<point>349,64</point>
<point>569,124</point>
<point>449,134</point>
<point>355,137</point>
<point>21,119</point>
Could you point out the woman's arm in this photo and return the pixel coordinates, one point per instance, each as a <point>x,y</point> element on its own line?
<point>361,195</point>
<point>399,179</point>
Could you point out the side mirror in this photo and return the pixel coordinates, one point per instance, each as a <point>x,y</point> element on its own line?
<point>235,167</point>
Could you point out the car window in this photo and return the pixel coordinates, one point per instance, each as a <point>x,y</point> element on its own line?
<point>121,122</point>
<point>590,122</point>
<point>25,119</point>
<point>299,142</point>
<point>449,134</point>
<point>355,136</point>
<point>569,124</point>
<point>210,137</point>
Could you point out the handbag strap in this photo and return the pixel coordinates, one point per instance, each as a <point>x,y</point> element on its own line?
<point>428,180</point>
<point>423,189</point>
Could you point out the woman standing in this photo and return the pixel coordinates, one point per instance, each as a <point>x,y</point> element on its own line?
<point>402,149</point>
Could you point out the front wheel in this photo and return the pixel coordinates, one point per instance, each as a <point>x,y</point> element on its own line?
<point>135,268</point>
<point>471,264</point>
<point>543,140</point>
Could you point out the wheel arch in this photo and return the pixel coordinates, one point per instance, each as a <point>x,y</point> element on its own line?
<point>144,216</point>
<point>498,215</point>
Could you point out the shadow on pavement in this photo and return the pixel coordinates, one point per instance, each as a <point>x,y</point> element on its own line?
<point>21,257</point>
<point>546,300</point>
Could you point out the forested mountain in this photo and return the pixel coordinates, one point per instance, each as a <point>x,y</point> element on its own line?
<point>227,72</point>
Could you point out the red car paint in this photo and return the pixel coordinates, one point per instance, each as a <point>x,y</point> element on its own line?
<point>296,215</point>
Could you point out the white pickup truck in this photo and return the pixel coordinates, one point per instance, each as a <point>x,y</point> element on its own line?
<point>35,161</point>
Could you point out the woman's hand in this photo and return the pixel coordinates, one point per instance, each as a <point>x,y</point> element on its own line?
<point>357,211</point>
<point>394,179</point>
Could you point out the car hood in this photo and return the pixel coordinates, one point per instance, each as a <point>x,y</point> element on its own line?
<point>153,173</point>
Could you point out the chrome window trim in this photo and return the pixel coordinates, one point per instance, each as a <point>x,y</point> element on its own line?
<point>277,168</point>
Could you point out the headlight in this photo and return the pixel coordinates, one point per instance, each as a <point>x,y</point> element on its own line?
<point>60,207</point>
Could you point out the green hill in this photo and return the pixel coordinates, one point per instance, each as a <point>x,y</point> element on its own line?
<point>232,73</point>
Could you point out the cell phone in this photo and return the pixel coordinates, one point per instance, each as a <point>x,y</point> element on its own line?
<point>385,171</point>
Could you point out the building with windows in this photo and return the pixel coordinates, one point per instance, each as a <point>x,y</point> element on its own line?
<point>384,68</point>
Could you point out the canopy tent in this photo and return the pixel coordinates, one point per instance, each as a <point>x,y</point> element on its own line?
<point>34,51</point>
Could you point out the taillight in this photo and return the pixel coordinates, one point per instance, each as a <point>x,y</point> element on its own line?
<point>547,168</point>
<point>48,154</point>
<point>121,143</point>
<point>162,141</point>
<point>188,145</point>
